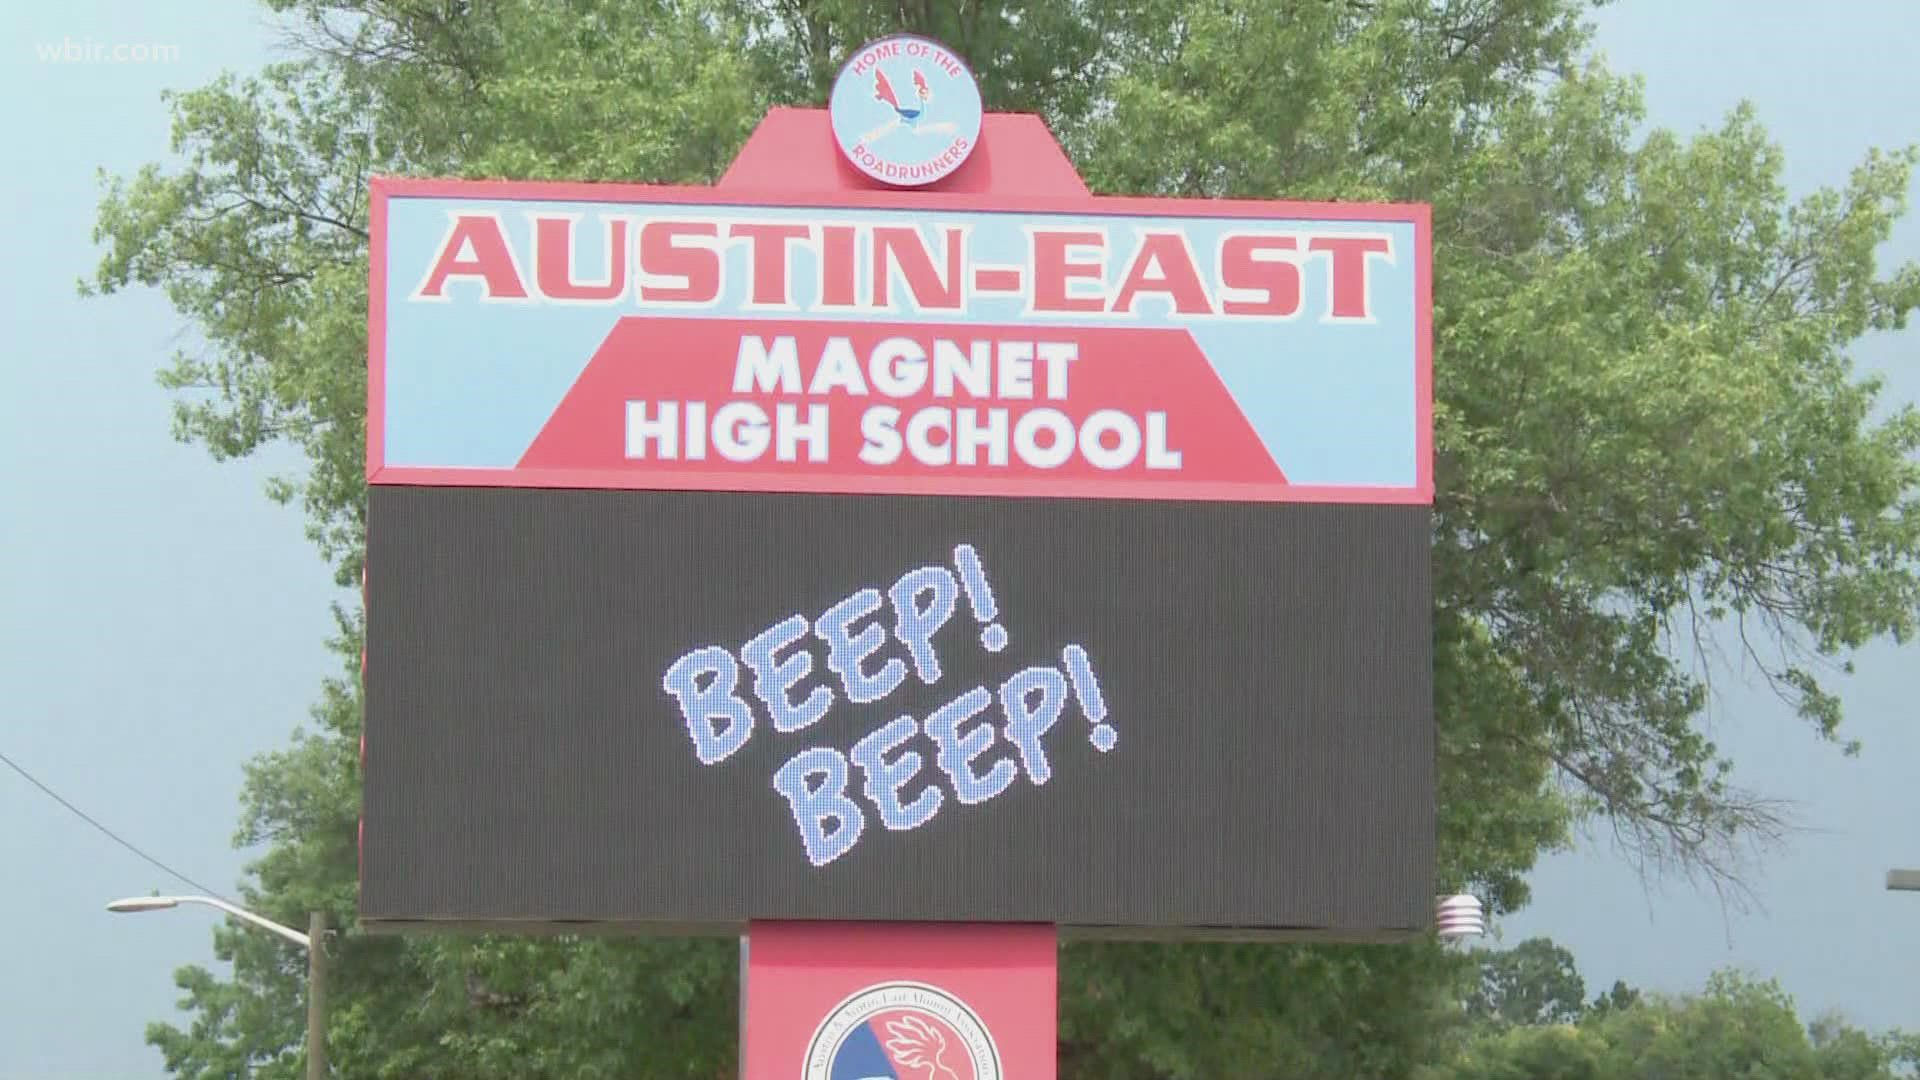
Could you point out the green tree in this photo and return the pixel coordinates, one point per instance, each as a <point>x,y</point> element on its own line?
<point>1737,1028</point>
<point>1646,426</point>
<point>1619,996</point>
<point>1535,982</point>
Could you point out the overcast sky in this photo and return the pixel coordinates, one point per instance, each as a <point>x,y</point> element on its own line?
<point>163,620</point>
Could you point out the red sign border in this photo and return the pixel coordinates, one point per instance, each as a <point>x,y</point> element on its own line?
<point>385,188</point>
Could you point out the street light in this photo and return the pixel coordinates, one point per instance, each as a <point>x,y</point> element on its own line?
<point>162,903</point>
<point>1903,880</point>
<point>316,959</point>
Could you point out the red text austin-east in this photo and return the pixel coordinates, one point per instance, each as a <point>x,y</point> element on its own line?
<point>1096,269</point>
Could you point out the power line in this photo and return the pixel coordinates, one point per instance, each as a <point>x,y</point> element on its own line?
<point>111,835</point>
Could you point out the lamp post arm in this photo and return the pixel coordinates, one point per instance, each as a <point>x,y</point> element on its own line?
<point>244,915</point>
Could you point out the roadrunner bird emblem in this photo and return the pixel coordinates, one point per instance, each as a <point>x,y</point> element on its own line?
<point>907,113</point>
<point>905,110</point>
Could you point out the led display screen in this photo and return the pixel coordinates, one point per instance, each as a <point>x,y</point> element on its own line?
<point>845,560</point>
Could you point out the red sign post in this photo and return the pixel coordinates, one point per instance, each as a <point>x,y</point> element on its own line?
<point>852,1001</point>
<point>939,1001</point>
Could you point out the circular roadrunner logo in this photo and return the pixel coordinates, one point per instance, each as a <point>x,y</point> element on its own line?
<point>905,110</point>
<point>902,1031</point>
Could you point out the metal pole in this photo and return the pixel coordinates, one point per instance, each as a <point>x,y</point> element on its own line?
<point>1903,880</point>
<point>317,996</point>
<point>743,1007</point>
